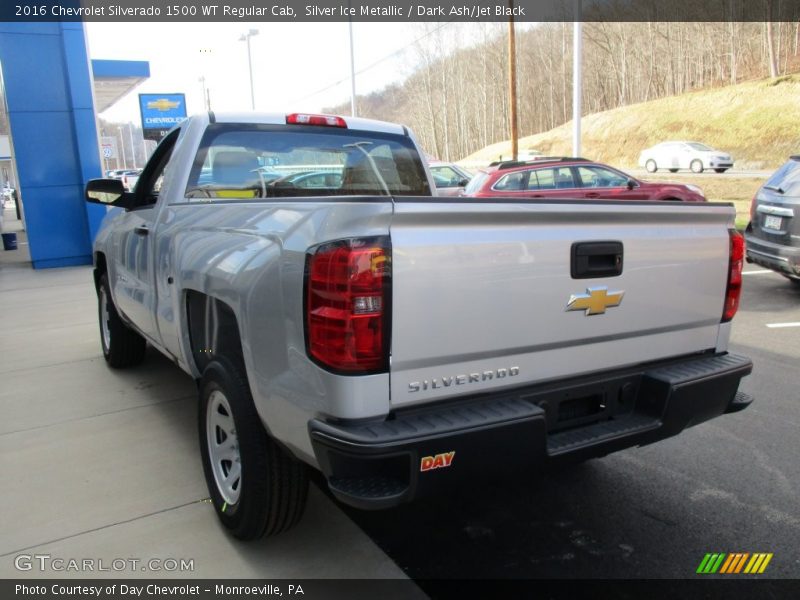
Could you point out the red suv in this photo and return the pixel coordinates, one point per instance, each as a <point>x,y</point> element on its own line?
<point>563,177</point>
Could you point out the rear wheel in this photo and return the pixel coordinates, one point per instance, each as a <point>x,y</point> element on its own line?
<point>122,346</point>
<point>256,487</point>
<point>720,170</point>
<point>651,166</point>
<point>696,166</point>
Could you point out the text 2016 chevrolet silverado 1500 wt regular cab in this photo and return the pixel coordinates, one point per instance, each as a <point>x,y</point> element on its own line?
<point>395,340</point>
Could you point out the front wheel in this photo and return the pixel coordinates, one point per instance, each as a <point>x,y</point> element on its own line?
<point>696,166</point>
<point>651,166</point>
<point>256,488</point>
<point>720,170</point>
<point>794,280</point>
<point>122,346</point>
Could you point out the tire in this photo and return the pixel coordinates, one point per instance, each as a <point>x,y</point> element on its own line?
<point>651,166</point>
<point>269,494</point>
<point>794,281</point>
<point>696,166</point>
<point>720,170</point>
<point>673,170</point>
<point>122,346</point>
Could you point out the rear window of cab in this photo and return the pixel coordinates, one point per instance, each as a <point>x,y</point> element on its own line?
<point>261,161</point>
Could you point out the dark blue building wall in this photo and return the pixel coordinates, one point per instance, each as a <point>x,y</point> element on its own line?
<point>48,85</point>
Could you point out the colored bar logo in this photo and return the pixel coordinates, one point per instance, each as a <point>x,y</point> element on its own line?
<point>734,563</point>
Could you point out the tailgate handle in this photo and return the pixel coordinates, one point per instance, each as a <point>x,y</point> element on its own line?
<point>596,259</point>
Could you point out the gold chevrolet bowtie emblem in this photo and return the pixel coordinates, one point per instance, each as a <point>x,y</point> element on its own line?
<point>162,104</point>
<point>595,301</point>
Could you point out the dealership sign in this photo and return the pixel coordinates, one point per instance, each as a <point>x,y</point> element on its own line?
<point>160,113</point>
<point>108,145</point>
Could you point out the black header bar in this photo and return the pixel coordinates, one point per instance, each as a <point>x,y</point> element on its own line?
<point>393,10</point>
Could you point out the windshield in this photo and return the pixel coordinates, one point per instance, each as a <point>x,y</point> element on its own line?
<point>700,147</point>
<point>476,183</point>
<point>261,161</point>
<point>786,179</point>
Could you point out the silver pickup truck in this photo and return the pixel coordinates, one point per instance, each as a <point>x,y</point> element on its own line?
<point>399,342</point>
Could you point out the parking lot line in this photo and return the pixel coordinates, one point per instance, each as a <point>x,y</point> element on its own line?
<point>780,325</point>
<point>759,272</point>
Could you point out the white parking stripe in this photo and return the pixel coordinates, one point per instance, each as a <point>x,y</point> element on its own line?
<point>756,272</point>
<point>779,325</point>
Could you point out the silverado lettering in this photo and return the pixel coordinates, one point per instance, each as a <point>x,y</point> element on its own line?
<point>435,384</point>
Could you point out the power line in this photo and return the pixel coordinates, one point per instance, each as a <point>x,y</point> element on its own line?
<point>374,64</point>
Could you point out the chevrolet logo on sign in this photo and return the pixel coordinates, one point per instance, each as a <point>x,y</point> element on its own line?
<point>595,301</point>
<point>162,104</point>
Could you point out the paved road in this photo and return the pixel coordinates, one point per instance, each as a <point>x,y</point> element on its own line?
<point>729,485</point>
<point>762,174</point>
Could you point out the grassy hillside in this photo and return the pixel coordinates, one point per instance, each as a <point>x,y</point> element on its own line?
<point>758,122</point>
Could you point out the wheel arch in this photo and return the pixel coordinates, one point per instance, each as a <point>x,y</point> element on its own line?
<point>100,267</point>
<point>213,330</point>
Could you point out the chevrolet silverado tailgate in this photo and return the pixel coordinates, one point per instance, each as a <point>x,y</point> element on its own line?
<point>488,294</point>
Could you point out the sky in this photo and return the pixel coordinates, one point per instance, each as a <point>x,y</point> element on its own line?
<point>296,66</point>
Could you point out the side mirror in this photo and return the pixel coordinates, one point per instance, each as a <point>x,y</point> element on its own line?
<point>109,192</point>
<point>463,182</point>
<point>631,184</point>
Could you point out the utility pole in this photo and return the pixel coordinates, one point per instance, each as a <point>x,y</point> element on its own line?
<point>576,80</point>
<point>512,82</point>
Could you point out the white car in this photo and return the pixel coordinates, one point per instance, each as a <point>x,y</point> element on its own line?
<point>684,155</point>
<point>449,178</point>
<point>7,195</point>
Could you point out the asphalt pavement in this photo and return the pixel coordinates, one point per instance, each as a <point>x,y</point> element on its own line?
<point>737,173</point>
<point>729,485</point>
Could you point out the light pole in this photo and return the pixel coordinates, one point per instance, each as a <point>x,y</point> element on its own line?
<point>245,37</point>
<point>206,93</point>
<point>122,146</point>
<point>133,150</point>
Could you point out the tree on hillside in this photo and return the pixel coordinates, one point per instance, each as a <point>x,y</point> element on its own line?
<point>457,101</point>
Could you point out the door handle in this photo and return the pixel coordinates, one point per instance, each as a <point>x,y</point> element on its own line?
<point>596,259</point>
<point>592,195</point>
<point>141,230</point>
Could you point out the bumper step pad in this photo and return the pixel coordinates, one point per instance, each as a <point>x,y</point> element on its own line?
<point>566,441</point>
<point>375,465</point>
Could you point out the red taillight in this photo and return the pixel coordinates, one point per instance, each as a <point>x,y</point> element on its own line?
<point>347,312</point>
<point>324,120</point>
<point>735,264</point>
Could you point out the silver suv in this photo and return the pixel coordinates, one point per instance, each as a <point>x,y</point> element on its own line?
<point>773,235</point>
